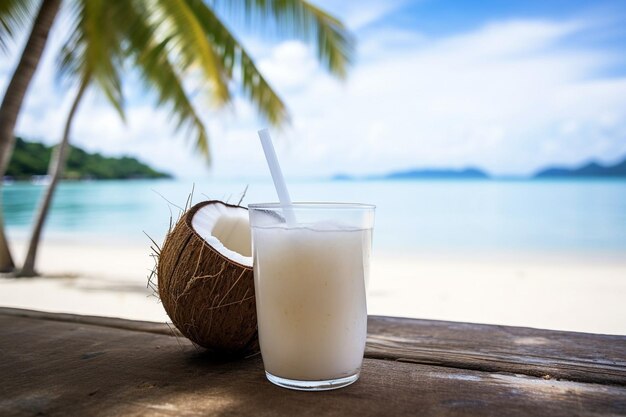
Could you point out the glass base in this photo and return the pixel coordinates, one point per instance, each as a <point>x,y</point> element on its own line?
<point>319,385</point>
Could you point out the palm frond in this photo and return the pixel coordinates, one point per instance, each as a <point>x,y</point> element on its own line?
<point>335,45</point>
<point>190,45</point>
<point>233,57</point>
<point>149,56</point>
<point>299,18</point>
<point>15,16</point>
<point>159,75</point>
<point>93,48</point>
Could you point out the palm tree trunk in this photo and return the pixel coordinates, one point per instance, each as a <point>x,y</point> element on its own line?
<point>55,170</point>
<point>12,102</point>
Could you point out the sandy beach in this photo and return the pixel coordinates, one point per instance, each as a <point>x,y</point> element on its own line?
<point>564,292</point>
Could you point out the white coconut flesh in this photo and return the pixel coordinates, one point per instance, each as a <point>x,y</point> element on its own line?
<point>226,229</point>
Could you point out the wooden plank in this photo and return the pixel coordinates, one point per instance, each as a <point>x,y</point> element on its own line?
<point>65,368</point>
<point>582,357</point>
<point>573,356</point>
<point>112,322</point>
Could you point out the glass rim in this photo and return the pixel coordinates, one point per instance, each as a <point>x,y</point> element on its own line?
<point>309,205</point>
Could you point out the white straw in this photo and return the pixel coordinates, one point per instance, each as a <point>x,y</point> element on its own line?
<point>277,177</point>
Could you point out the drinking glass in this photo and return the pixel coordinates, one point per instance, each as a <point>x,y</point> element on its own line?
<point>310,274</point>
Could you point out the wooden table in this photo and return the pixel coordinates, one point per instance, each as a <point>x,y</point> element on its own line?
<point>64,365</point>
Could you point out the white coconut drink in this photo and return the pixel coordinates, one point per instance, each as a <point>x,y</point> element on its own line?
<point>310,290</point>
<point>205,278</point>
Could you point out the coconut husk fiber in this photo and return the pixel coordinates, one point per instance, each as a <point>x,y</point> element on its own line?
<point>208,297</point>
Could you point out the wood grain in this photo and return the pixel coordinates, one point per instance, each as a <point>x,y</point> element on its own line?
<point>112,322</point>
<point>581,357</point>
<point>53,366</point>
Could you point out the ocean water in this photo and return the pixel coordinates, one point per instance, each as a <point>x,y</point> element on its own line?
<point>557,216</point>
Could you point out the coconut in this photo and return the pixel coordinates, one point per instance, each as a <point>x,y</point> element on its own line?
<point>205,278</point>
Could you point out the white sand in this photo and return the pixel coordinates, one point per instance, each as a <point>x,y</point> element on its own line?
<point>91,278</point>
<point>565,293</point>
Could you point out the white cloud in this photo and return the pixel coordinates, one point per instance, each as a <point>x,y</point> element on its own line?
<point>291,62</point>
<point>497,97</point>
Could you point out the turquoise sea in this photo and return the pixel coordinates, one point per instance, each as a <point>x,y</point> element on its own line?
<point>560,216</point>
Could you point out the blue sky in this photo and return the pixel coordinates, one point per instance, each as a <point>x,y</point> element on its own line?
<point>506,86</point>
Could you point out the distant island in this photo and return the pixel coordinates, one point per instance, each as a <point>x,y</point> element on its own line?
<point>467,173</point>
<point>590,170</point>
<point>31,159</point>
<point>471,173</point>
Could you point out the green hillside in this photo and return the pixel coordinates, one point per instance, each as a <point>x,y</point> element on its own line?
<point>32,158</point>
